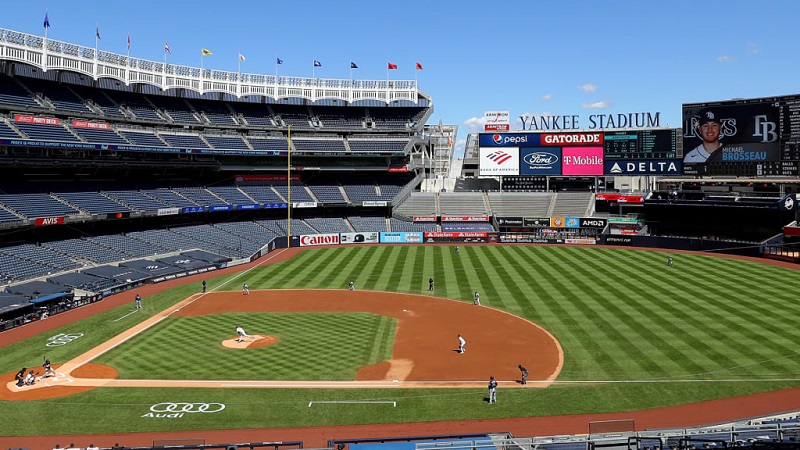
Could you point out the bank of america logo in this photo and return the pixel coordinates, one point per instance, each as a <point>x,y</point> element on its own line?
<point>499,157</point>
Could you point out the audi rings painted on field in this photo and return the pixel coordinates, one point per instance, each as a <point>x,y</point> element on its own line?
<point>62,339</point>
<point>178,407</point>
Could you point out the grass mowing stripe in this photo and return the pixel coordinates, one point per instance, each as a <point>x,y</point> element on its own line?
<point>514,298</point>
<point>593,362</point>
<point>392,264</point>
<point>618,343</point>
<point>384,336</point>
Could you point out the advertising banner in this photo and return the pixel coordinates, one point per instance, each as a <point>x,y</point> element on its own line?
<point>497,120</point>
<point>499,161</point>
<point>401,237</point>
<point>644,167</point>
<point>582,161</point>
<point>168,211</point>
<point>509,221</point>
<point>264,178</point>
<point>220,208</point>
<point>465,218</point>
<point>359,238</point>
<point>540,161</point>
<point>307,240</point>
<point>374,203</point>
<point>557,222</point>
<point>304,205</point>
<point>619,240</point>
<point>572,222</point>
<point>24,118</point>
<point>47,221</point>
<point>248,207</point>
<point>91,125</point>
<point>424,219</point>
<point>593,222</point>
<point>536,222</point>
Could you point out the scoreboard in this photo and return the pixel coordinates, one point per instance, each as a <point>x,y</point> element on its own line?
<point>640,144</point>
<point>757,137</point>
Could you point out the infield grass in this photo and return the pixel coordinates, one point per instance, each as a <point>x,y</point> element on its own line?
<point>705,328</point>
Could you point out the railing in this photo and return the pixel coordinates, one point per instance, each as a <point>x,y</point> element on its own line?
<point>48,54</point>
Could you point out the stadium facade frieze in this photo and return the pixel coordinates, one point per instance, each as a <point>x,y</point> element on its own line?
<point>595,121</point>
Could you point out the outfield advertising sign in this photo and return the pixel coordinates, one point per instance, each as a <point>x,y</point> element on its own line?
<point>400,237</point>
<point>359,238</point>
<point>307,240</point>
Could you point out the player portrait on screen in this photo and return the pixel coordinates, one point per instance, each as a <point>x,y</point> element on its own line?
<point>708,130</point>
<point>731,133</point>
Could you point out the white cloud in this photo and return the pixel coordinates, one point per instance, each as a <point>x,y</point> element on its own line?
<point>475,124</point>
<point>725,59</point>
<point>547,97</point>
<point>596,105</point>
<point>588,87</point>
<point>752,47</point>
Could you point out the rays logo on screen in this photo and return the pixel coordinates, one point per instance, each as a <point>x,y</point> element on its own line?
<point>499,157</point>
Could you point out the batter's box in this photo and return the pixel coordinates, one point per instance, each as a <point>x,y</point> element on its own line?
<point>59,380</point>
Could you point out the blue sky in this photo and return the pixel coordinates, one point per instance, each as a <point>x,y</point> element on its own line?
<point>541,57</point>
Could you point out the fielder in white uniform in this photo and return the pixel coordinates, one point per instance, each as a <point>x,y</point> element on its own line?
<point>461,343</point>
<point>240,331</point>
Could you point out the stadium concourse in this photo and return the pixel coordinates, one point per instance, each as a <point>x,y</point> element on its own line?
<point>675,417</point>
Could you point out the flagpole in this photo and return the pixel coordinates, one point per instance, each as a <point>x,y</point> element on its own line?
<point>289,187</point>
<point>313,68</point>
<point>165,66</point>
<point>44,44</point>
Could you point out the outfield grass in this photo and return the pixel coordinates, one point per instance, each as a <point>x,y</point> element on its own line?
<point>726,326</point>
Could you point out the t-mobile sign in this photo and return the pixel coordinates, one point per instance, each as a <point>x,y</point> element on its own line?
<point>582,161</point>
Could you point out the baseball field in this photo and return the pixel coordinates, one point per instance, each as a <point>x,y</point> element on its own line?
<point>601,330</point>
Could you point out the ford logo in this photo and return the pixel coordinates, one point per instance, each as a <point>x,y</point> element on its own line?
<point>540,158</point>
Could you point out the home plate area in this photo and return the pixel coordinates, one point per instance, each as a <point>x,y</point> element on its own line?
<point>252,341</point>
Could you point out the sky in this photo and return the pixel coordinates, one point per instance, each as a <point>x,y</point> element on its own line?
<point>534,57</point>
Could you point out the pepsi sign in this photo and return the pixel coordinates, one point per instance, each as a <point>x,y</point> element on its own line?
<point>540,161</point>
<point>508,139</point>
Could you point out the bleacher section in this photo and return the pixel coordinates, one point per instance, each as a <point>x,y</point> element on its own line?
<point>418,204</point>
<point>520,204</point>
<point>36,205</point>
<point>462,204</point>
<point>368,223</point>
<point>572,204</point>
<point>329,225</point>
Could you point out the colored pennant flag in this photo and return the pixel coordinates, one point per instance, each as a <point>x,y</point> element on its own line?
<point>317,63</point>
<point>392,66</point>
<point>97,32</point>
<point>129,41</point>
<point>46,20</point>
<point>205,52</point>
<point>166,47</point>
<point>241,57</point>
<point>353,65</point>
<point>419,66</point>
<point>278,61</point>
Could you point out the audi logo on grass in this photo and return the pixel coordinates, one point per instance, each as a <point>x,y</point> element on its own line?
<point>172,410</point>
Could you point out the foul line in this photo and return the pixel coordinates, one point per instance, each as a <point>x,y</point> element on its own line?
<point>394,404</point>
<point>126,315</point>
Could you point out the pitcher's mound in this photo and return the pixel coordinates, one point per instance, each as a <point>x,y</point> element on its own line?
<point>254,341</point>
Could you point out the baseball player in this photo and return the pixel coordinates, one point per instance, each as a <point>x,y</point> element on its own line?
<point>245,289</point>
<point>351,286</point>
<point>204,286</point>
<point>138,300</point>
<point>524,371</point>
<point>48,369</point>
<point>30,378</point>
<point>242,334</point>
<point>477,300</point>
<point>430,284</point>
<point>492,390</point>
<point>461,343</point>
<point>458,250</point>
<point>669,261</point>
